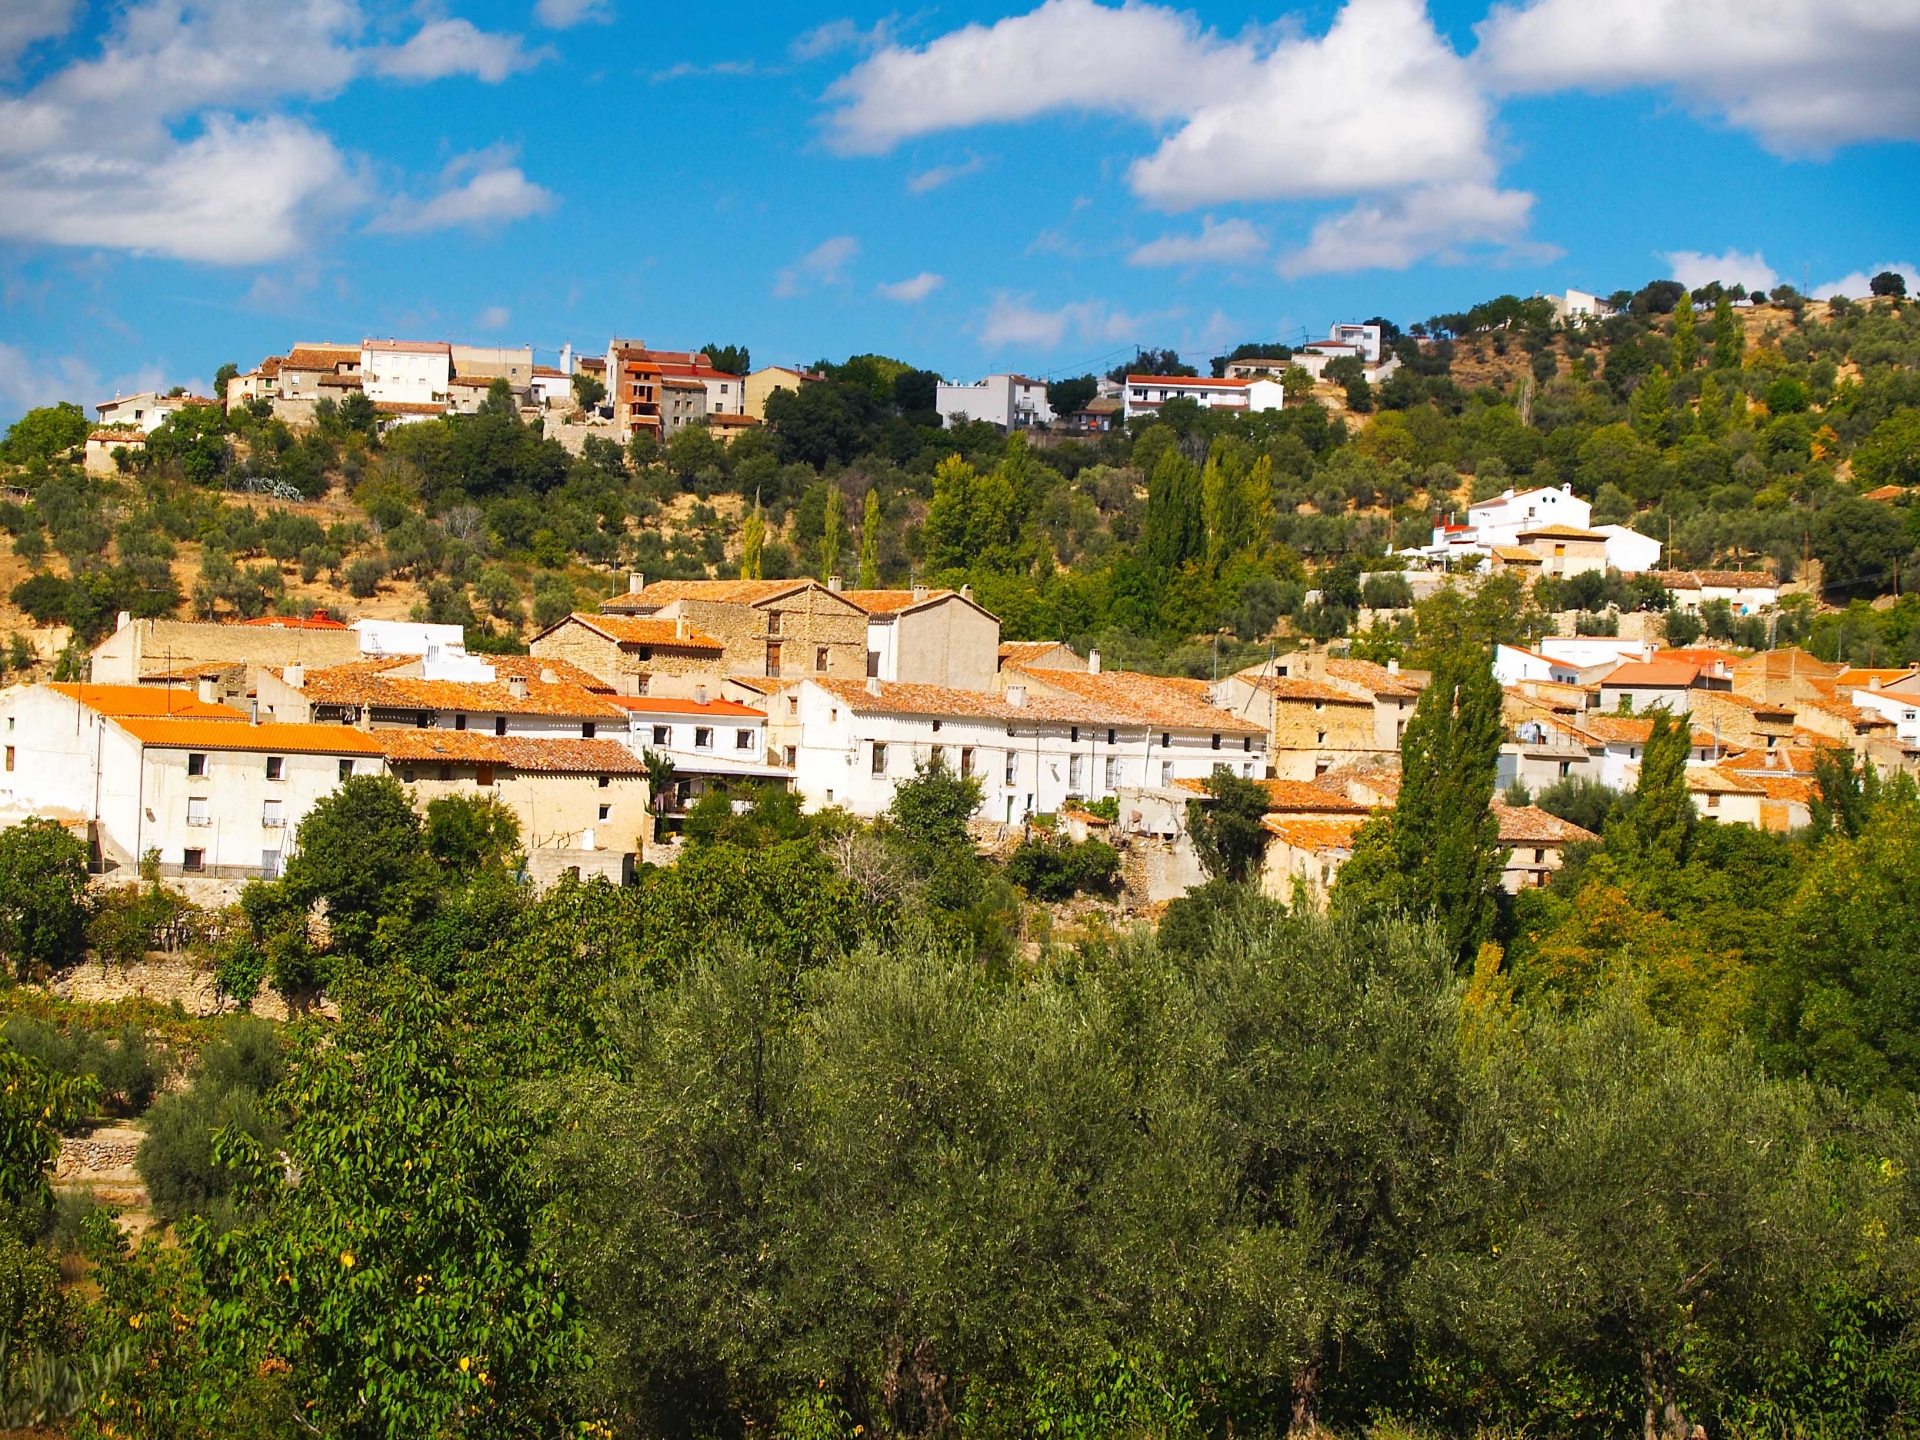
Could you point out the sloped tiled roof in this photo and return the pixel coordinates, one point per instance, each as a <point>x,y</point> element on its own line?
<point>150,701</point>
<point>401,692</point>
<point>1781,760</point>
<point>513,752</point>
<point>1653,674</point>
<point>1019,652</point>
<point>1631,730</point>
<point>719,592</point>
<point>274,737</point>
<point>1530,825</point>
<point>1708,780</point>
<point>892,602</point>
<point>535,667</point>
<point>640,630</point>
<point>1737,579</point>
<point>1560,532</point>
<point>1284,796</point>
<point>1316,835</point>
<point>896,698</point>
<point>319,620</point>
<point>1376,678</point>
<point>1299,687</point>
<point>682,705</point>
<point>1146,699</point>
<point>1382,781</point>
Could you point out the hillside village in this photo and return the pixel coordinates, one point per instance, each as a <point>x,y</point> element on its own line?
<point>646,887</point>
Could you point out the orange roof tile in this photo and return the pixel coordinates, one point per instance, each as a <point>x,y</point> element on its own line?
<point>1315,835</point>
<point>316,357</point>
<point>1146,699</point>
<point>1707,780</point>
<point>145,700</point>
<point>269,736</point>
<point>1530,825</point>
<point>1021,651</point>
<point>639,630</point>
<point>319,620</point>
<point>1736,579</point>
<point>720,592</point>
<point>1560,532</point>
<point>1284,796</point>
<point>896,698</point>
<point>1299,687</point>
<point>892,602</point>
<point>670,705</point>
<point>1781,760</point>
<point>1376,678</point>
<point>513,752</point>
<point>329,686</point>
<point>1652,674</point>
<point>1631,730</point>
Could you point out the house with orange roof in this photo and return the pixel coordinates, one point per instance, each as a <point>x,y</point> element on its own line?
<point>1305,853</point>
<point>1642,685</point>
<point>414,693</point>
<point>635,654</point>
<point>139,768</point>
<point>1536,843</point>
<point>777,629</point>
<point>1564,550</point>
<point>715,743</point>
<point>1043,655</point>
<point>930,637</point>
<point>407,372</point>
<point>1321,712</point>
<point>1145,394</point>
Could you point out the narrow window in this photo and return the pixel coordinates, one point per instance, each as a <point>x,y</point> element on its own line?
<point>1166,739</point>
<point>820,658</point>
<point>605,781</point>
<point>460,721</point>
<point>660,734</point>
<point>276,767</point>
<point>271,814</point>
<point>1216,742</point>
<point>1074,736</point>
<point>966,760</point>
<point>446,771</point>
<point>606,812</point>
<point>196,764</point>
<point>773,622</point>
<point>1246,744</point>
<point>483,774</point>
<point>1113,772</point>
<point>193,860</point>
<point>792,756</point>
<point>197,810</point>
<point>1013,766</point>
<point>1166,772</point>
<point>1111,732</point>
<point>879,757</point>
<point>793,705</point>
<point>773,659</point>
<point>346,769</point>
<point>499,724</point>
<point>586,729</point>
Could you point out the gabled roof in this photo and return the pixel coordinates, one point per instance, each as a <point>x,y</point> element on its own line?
<point>274,737</point>
<point>1530,825</point>
<point>682,705</point>
<point>1376,678</point>
<point>1631,730</point>
<point>1145,699</point>
<point>1509,499</point>
<point>1020,652</point>
<point>1299,687</point>
<point>1560,532</point>
<point>1315,835</point>
<point>410,347</point>
<point>512,752</point>
<point>896,698</point>
<point>1708,780</point>
<point>1203,382</point>
<point>719,592</point>
<point>898,602</point>
<point>318,357</point>
<point>1652,674</point>
<point>354,685</point>
<point>147,701</point>
<point>638,630</point>
<point>1737,579</point>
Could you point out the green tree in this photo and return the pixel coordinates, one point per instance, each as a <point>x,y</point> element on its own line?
<point>45,432</point>
<point>948,531</point>
<point>934,806</point>
<point>361,851</point>
<point>1226,830</point>
<point>753,540</point>
<point>869,576</point>
<point>833,532</point>
<point>1068,397</point>
<point>43,897</point>
<point>1686,340</point>
<point>468,833</point>
<point>588,392</point>
<point>1888,285</point>
<point>729,359</point>
<point>1176,528</point>
<point>1652,839</point>
<point>1890,455</point>
<point>1858,543</point>
<point>1729,338</point>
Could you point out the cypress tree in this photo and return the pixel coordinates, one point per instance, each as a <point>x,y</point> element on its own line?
<point>753,539</point>
<point>1728,338</point>
<point>870,542</point>
<point>1652,839</point>
<point>1176,528</point>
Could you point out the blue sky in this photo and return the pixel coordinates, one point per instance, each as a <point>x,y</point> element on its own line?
<point>968,187</point>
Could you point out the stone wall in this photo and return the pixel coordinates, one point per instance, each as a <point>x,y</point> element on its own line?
<point>167,980</point>
<point>668,671</point>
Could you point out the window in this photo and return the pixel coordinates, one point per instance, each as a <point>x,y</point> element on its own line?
<point>820,658</point>
<point>1246,744</point>
<point>793,705</point>
<point>790,757</point>
<point>936,727</point>
<point>1165,739</point>
<point>606,812</point>
<point>1013,767</point>
<point>1221,767</point>
<point>276,767</point>
<point>1166,772</point>
<point>406,774</point>
<point>1539,857</point>
<point>499,724</point>
<point>833,715</point>
<point>879,758</point>
<point>1074,735</point>
<point>1319,737</point>
<point>423,720</point>
<point>586,729</point>
<point>661,734</point>
<point>773,622</point>
<point>460,721</point>
<point>1113,772</point>
<point>1073,772</point>
<point>702,738</point>
<point>270,864</point>
<point>605,781</point>
<point>9,759</point>
<point>446,771</point>
<point>938,756</point>
<point>645,652</point>
<point>1319,706</point>
<point>873,664</point>
<point>966,761</point>
<point>1566,768</point>
<point>193,860</point>
<point>773,659</point>
<point>1246,769</point>
<point>197,810</point>
<point>743,739</point>
<point>271,815</point>
<point>196,764</point>
<point>1216,742</point>
<point>1110,734</point>
<point>642,684</point>
<point>1713,802</point>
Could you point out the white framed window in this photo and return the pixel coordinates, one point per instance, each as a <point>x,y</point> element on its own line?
<point>879,757</point>
<point>1113,772</point>
<point>702,738</point>
<point>1073,772</point>
<point>272,814</point>
<point>743,739</point>
<point>1013,766</point>
<point>1166,772</point>
<point>197,810</point>
<point>662,734</point>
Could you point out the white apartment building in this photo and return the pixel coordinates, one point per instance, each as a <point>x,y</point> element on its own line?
<point>212,793</point>
<point>1628,551</point>
<point>407,372</point>
<point>1145,394</point>
<point>1369,340</point>
<point>851,743</point>
<point>1009,401</point>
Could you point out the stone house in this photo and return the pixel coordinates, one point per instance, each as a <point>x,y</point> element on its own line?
<point>139,648</point>
<point>778,629</point>
<point>635,655</point>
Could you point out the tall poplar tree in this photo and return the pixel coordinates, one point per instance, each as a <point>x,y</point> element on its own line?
<point>833,532</point>
<point>753,539</point>
<point>870,542</point>
<point>1686,340</point>
<point>1176,530</point>
<point>1729,340</point>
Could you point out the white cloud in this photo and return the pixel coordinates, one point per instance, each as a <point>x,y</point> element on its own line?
<point>1012,322</point>
<point>825,264</point>
<point>940,175</point>
<point>1734,267</point>
<point>456,47</point>
<point>494,193</point>
<point>565,14</point>
<point>1440,221</point>
<point>911,292</point>
<point>687,70</point>
<point>837,35</point>
<point>170,138</point>
<point>494,317</point>
<point>23,22</point>
<point>1859,284</point>
<point>1803,75</point>
<point>27,382</point>
<point>1218,244</point>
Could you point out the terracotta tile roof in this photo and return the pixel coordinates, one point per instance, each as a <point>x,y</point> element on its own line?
<point>892,602</point>
<point>512,752</point>
<point>1019,652</point>
<point>1146,699</point>
<point>205,669</point>
<point>1631,730</point>
<point>146,701</point>
<point>1202,382</point>
<point>726,418</point>
<point>1744,702</point>
<point>409,347</point>
<point>936,700</point>
<point>1317,836</point>
<point>1702,655</point>
<point>1652,674</point>
<point>318,358</point>
<point>1287,796</point>
<point>1781,760</point>
<point>1885,493</point>
<point>1788,660</point>
<point>668,705</point>
<point>1530,825</point>
<point>1861,677</point>
<point>271,736</point>
<point>116,437</point>
<point>639,630</point>
<point>319,620</point>
<point>329,686</point>
<point>1376,678</point>
<point>1783,787</point>
<point>408,407</point>
<point>1298,687</point>
<point>271,365</point>
<point>1514,555</point>
<point>1382,781</point>
<point>1706,780</point>
<point>1560,532</point>
<point>720,592</point>
<point>536,667</point>
<point>1860,717</point>
<point>1737,579</point>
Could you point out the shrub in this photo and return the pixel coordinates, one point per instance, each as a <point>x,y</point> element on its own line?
<point>1050,870</point>
<point>233,1075</point>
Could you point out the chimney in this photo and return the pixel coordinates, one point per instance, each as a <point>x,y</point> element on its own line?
<point>873,686</point>
<point>517,686</point>
<point>1393,667</point>
<point>919,593</point>
<point>1017,696</point>
<point>834,582</point>
<point>209,690</point>
<point>549,675</point>
<point>126,619</point>
<point>296,675</point>
<point>682,628</point>
<point>1093,662</point>
<point>699,694</point>
<point>966,592</point>
<point>1873,682</point>
<point>636,582</point>
<point>253,716</point>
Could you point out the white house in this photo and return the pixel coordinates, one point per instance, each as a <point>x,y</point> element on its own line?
<point>709,740</point>
<point>1366,338</point>
<point>1583,652</point>
<point>406,372</point>
<point>1512,664</point>
<point>407,637</point>
<point>850,744</point>
<point>1501,520</point>
<point>1578,305</point>
<point>1009,401</point>
<point>145,412</point>
<point>1628,551</point>
<point>1145,394</point>
<point>212,793</point>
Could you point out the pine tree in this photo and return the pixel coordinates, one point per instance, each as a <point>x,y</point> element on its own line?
<point>1711,414</point>
<point>833,533</point>
<point>870,542</point>
<point>1651,407</point>
<point>1729,340</point>
<point>1686,341</point>
<point>753,539</point>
